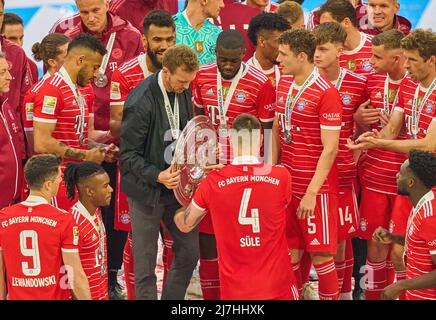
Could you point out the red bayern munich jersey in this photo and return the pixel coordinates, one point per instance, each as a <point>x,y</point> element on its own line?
<point>381,166</point>
<point>352,92</point>
<point>55,103</point>
<point>92,249</point>
<point>273,74</point>
<point>247,203</point>
<point>405,104</point>
<point>29,102</point>
<point>33,235</point>
<point>319,107</point>
<point>254,94</point>
<point>127,77</point>
<point>358,60</point>
<point>421,245</point>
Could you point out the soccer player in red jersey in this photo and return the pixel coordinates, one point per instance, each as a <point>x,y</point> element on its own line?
<point>264,5</point>
<point>11,170</point>
<point>52,51</point>
<point>62,113</point>
<point>247,203</point>
<point>222,91</point>
<point>92,184</point>
<point>38,242</point>
<point>330,37</point>
<point>264,31</point>
<point>159,35</point>
<point>306,140</point>
<point>416,179</point>
<point>357,47</point>
<point>380,166</point>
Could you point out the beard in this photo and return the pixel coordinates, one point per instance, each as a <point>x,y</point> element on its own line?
<point>81,81</point>
<point>402,191</point>
<point>154,60</point>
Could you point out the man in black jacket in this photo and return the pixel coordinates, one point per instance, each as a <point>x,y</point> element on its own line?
<point>154,113</point>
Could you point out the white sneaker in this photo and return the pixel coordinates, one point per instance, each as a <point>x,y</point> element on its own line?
<point>308,292</point>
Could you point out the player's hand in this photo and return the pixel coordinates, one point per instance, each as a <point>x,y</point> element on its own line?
<point>392,292</point>
<point>382,236</point>
<point>366,140</point>
<point>96,155</point>
<point>170,177</point>
<point>366,115</point>
<point>112,153</point>
<point>307,206</point>
<point>384,118</point>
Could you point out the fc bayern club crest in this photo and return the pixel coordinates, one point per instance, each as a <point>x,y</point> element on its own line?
<point>125,218</point>
<point>301,105</point>
<point>363,225</point>
<point>240,96</point>
<point>429,108</point>
<point>367,66</point>
<point>346,99</point>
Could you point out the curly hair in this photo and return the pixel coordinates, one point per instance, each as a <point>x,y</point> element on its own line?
<point>423,165</point>
<point>422,40</point>
<point>266,22</point>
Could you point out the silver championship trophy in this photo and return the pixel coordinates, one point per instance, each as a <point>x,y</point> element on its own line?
<point>195,148</point>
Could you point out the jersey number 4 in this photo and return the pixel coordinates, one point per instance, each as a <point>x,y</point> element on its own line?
<point>30,251</point>
<point>242,218</point>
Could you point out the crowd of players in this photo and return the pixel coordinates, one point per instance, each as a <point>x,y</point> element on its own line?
<point>342,107</point>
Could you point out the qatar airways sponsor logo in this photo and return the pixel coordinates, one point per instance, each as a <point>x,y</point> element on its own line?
<point>333,116</point>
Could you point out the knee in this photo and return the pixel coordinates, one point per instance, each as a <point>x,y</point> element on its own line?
<point>187,254</point>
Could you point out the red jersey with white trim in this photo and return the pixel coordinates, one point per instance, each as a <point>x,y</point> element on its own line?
<point>126,77</point>
<point>271,7</point>
<point>273,74</point>
<point>92,249</point>
<point>29,102</point>
<point>352,92</point>
<point>56,103</point>
<point>33,235</point>
<point>358,60</point>
<point>421,245</point>
<point>381,166</point>
<point>318,107</point>
<point>247,203</point>
<point>405,104</point>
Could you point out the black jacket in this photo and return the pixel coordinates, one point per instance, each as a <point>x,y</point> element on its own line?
<point>144,125</point>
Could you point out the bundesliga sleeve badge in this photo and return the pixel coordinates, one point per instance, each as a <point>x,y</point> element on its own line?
<point>49,105</point>
<point>115,91</point>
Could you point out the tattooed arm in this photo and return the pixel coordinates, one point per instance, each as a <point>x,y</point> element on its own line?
<point>187,218</point>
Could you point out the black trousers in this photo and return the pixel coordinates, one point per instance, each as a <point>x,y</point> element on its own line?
<point>115,239</point>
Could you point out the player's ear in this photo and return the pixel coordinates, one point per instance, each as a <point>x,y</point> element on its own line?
<point>144,41</point>
<point>80,60</point>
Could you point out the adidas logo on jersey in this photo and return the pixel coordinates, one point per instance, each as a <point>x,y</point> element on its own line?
<point>351,230</point>
<point>378,95</point>
<point>209,92</point>
<point>409,102</point>
<point>314,242</point>
<point>94,237</point>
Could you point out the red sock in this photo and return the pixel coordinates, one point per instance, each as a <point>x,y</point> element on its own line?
<point>401,275</point>
<point>340,270</point>
<point>297,274</point>
<point>305,266</point>
<point>167,257</point>
<point>327,281</point>
<point>209,279</point>
<point>348,271</point>
<point>376,275</point>
<point>129,272</point>
<point>390,271</point>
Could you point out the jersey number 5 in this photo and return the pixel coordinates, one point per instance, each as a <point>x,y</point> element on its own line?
<point>31,251</point>
<point>242,218</point>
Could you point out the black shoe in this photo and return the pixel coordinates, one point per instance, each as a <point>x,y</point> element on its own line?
<point>358,294</point>
<point>115,292</point>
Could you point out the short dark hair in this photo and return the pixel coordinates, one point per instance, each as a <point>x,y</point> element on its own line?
<point>390,39</point>
<point>230,39</point>
<point>339,9</point>
<point>41,168</point>
<point>12,18</point>
<point>77,172</point>
<point>87,41</point>
<point>329,32</point>
<point>246,121</point>
<point>423,165</point>
<point>290,10</point>
<point>422,40</point>
<point>48,48</point>
<point>160,18</point>
<point>300,40</point>
<point>266,22</point>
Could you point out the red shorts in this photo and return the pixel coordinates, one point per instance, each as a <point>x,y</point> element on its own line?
<point>348,214</point>
<point>206,225</point>
<point>400,215</point>
<point>318,233</point>
<point>377,210</point>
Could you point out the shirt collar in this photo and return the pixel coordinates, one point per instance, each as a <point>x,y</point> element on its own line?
<point>79,206</point>
<point>32,201</point>
<point>246,160</point>
<point>425,198</point>
<point>66,76</point>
